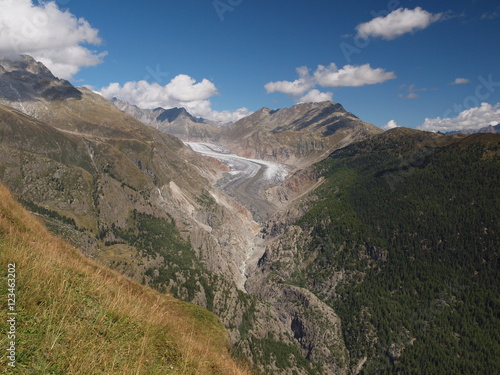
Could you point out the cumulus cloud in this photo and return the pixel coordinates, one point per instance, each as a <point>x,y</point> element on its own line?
<point>399,22</point>
<point>390,125</point>
<point>316,96</point>
<point>295,88</point>
<point>460,81</point>
<point>56,38</point>
<point>473,118</point>
<point>181,91</point>
<point>328,76</point>
<point>350,75</point>
<point>226,115</point>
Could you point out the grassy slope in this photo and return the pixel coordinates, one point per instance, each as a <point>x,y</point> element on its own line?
<point>76,317</point>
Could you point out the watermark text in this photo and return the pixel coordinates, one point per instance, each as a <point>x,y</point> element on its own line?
<point>11,315</point>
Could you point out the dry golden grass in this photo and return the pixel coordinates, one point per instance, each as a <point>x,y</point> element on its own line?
<point>77,317</point>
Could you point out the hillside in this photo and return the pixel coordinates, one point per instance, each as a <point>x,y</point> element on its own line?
<point>77,317</point>
<point>297,136</point>
<point>138,201</point>
<point>401,240</point>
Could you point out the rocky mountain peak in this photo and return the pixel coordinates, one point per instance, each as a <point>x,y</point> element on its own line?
<point>25,80</point>
<point>298,135</point>
<point>300,109</point>
<point>25,63</point>
<point>311,105</point>
<point>173,114</point>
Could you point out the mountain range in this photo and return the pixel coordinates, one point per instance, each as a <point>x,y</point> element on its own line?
<point>379,253</point>
<point>174,121</point>
<point>297,136</point>
<point>494,129</point>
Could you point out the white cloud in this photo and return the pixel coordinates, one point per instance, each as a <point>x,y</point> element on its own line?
<point>474,118</point>
<point>390,125</point>
<point>181,91</point>
<point>460,81</point>
<point>399,22</point>
<point>226,116</point>
<point>295,88</point>
<point>350,75</point>
<point>183,88</point>
<point>56,38</point>
<point>328,76</point>
<point>316,96</point>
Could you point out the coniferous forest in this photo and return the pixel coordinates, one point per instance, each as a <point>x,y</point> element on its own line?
<point>413,226</point>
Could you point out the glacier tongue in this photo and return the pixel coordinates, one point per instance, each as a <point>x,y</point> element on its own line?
<point>273,172</point>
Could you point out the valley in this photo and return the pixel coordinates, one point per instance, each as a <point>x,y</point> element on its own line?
<point>245,182</point>
<point>323,244</point>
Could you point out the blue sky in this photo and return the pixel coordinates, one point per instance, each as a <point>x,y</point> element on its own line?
<point>218,57</point>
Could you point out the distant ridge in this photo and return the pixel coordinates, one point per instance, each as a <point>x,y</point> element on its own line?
<point>493,129</point>
<point>174,121</point>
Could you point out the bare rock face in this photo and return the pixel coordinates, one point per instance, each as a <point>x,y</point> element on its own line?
<point>309,324</point>
<point>26,64</point>
<point>297,184</point>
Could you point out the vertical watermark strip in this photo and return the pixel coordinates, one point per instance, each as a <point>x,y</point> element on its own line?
<point>11,315</point>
